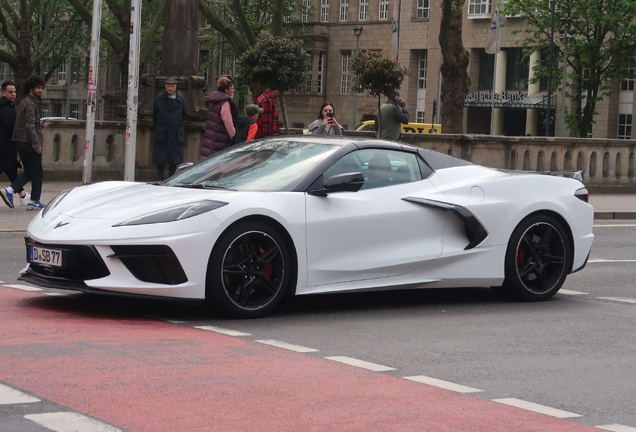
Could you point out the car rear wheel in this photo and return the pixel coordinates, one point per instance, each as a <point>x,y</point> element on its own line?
<point>538,259</point>
<point>249,271</point>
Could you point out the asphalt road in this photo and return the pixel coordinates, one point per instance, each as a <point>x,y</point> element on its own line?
<point>574,353</point>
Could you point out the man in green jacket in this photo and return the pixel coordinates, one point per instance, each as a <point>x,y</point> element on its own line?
<point>393,114</point>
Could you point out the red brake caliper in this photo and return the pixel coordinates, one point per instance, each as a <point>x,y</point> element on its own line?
<point>268,270</point>
<point>521,255</point>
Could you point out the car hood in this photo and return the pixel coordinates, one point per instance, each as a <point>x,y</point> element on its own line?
<point>117,200</point>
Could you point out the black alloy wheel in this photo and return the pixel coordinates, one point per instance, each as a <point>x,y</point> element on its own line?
<point>249,270</point>
<point>538,259</point>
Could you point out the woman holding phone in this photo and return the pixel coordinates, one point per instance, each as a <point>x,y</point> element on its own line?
<point>326,123</point>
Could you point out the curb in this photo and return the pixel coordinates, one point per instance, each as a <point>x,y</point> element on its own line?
<point>614,215</point>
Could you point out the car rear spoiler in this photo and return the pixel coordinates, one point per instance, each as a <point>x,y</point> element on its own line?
<point>573,174</point>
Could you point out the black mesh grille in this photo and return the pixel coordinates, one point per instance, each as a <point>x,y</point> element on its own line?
<point>82,263</point>
<point>151,263</point>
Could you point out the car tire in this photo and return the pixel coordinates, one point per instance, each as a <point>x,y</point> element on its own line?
<point>538,259</point>
<point>249,271</point>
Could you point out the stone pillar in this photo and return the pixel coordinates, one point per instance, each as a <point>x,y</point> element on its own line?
<point>532,115</point>
<point>501,62</point>
<point>179,59</point>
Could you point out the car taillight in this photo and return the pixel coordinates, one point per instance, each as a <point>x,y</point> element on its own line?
<point>582,194</point>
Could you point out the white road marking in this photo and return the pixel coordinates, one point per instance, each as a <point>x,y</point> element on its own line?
<point>226,332</point>
<point>615,225</point>
<point>287,346</point>
<point>542,409</point>
<point>618,299</point>
<point>9,395</point>
<point>360,363</point>
<point>442,384</point>
<point>570,292</point>
<point>617,428</point>
<point>70,422</point>
<point>24,287</point>
<point>600,260</point>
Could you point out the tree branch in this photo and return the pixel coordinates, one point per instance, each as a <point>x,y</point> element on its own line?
<point>152,31</point>
<point>5,31</point>
<point>35,59</point>
<point>244,25</point>
<point>222,26</point>
<point>87,16</point>
<point>6,6</point>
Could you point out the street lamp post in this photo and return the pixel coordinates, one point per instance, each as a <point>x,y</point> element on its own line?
<point>566,32</point>
<point>357,30</point>
<point>69,77</point>
<point>548,120</point>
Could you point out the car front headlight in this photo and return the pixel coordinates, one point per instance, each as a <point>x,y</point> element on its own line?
<point>173,214</point>
<point>55,201</point>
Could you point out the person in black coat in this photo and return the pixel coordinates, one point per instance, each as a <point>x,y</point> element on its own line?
<point>168,113</point>
<point>8,149</point>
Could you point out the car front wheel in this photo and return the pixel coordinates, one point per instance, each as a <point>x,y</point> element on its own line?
<point>538,259</point>
<point>249,271</point>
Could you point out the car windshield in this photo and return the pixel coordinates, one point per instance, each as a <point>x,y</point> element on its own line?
<point>269,165</point>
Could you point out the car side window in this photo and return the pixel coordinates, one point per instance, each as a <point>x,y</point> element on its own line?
<point>380,167</point>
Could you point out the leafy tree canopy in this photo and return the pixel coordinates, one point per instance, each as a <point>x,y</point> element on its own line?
<point>376,73</point>
<point>602,51</point>
<point>275,62</point>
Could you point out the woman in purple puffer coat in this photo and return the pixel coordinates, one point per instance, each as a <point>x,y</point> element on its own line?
<point>219,127</point>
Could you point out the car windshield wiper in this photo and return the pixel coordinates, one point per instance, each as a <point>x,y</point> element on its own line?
<point>199,186</point>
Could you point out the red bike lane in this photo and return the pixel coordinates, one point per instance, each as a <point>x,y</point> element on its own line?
<point>146,375</point>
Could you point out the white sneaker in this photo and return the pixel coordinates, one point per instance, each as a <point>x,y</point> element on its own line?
<point>24,201</point>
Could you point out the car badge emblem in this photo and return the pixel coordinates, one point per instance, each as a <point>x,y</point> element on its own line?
<point>61,224</point>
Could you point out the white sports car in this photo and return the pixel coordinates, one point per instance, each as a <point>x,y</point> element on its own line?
<point>305,215</point>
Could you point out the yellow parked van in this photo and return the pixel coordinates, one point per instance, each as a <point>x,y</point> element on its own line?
<point>422,128</point>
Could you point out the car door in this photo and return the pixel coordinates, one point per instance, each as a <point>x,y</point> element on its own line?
<point>372,233</point>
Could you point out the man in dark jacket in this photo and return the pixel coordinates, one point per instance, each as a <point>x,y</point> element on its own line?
<point>27,133</point>
<point>8,149</point>
<point>168,113</point>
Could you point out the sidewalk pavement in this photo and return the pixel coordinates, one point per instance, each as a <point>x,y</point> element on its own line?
<point>606,206</point>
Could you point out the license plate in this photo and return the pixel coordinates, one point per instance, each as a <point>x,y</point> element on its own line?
<point>45,256</point>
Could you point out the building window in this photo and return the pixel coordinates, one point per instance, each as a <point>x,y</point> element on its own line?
<point>46,111</point>
<point>419,116</point>
<point>287,19</point>
<point>624,126</point>
<point>61,73</point>
<point>344,10</point>
<point>305,13</point>
<point>486,70</point>
<point>480,8</point>
<point>1,71</point>
<point>75,111</point>
<point>517,70</point>
<point>321,59</point>
<point>324,10</point>
<point>309,75</point>
<point>421,69</point>
<point>423,9</point>
<point>384,9</point>
<point>364,10</point>
<point>345,78</point>
<point>628,68</point>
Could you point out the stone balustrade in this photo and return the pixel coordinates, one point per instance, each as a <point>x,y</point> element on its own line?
<point>608,165</point>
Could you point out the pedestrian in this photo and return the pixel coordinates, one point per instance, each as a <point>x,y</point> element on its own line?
<point>326,123</point>
<point>222,114</point>
<point>268,121</point>
<point>8,149</point>
<point>393,114</point>
<point>168,114</point>
<point>28,134</point>
<point>246,126</point>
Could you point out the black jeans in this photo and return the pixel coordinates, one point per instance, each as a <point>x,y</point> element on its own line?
<point>32,163</point>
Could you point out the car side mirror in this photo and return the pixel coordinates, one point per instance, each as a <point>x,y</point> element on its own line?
<point>347,182</point>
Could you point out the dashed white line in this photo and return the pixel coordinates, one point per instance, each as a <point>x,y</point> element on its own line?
<point>442,384</point>
<point>570,292</point>
<point>360,363</point>
<point>618,299</point>
<point>531,406</point>
<point>224,331</point>
<point>601,260</point>
<point>9,395</point>
<point>24,287</point>
<point>617,428</point>
<point>70,422</point>
<point>287,346</point>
